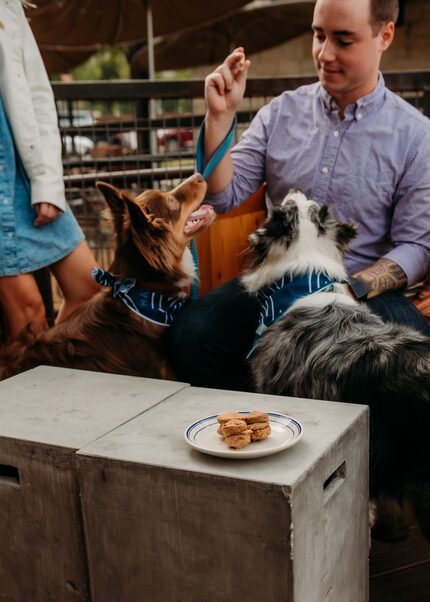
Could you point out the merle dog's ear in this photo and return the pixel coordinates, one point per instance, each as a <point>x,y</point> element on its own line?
<point>345,233</point>
<point>323,213</point>
<point>321,217</point>
<point>289,217</point>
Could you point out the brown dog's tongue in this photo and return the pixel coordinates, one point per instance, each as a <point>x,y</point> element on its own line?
<point>202,212</point>
<point>200,219</point>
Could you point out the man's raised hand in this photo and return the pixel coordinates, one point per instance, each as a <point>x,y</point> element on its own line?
<point>225,87</point>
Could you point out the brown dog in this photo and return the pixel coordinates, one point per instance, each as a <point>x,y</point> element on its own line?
<point>106,334</point>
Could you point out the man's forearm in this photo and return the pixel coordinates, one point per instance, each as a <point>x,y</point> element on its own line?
<point>384,275</point>
<point>215,132</point>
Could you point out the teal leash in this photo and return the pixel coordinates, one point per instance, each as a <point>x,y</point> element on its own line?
<point>194,287</point>
<point>205,171</point>
<point>217,155</point>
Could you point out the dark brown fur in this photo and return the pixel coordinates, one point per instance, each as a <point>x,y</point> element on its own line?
<point>103,334</point>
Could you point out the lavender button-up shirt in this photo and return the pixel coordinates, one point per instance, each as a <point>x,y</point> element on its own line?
<point>372,168</point>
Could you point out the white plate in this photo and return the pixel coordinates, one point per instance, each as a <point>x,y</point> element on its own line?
<point>202,435</point>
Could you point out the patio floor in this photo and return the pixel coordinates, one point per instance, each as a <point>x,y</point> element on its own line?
<point>400,572</point>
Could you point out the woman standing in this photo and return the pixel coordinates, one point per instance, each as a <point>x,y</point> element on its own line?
<point>37,228</point>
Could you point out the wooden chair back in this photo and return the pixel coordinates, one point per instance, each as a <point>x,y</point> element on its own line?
<point>220,248</point>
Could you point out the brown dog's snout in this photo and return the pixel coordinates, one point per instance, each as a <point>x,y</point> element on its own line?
<point>196,178</point>
<point>194,185</point>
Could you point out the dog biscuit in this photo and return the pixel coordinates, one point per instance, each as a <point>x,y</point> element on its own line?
<point>258,425</point>
<point>233,427</point>
<point>223,418</point>
<point>261,433</point>
<point>239,441</point>
<point>256,416</point>
<point>239,430</point>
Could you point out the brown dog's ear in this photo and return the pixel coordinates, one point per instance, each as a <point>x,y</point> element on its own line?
<point>114,199</point>
<point>112,196</point>
<point>140,215</point>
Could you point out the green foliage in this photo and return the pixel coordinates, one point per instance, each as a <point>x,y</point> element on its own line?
<point>107,64</point>
<point>110,63</point>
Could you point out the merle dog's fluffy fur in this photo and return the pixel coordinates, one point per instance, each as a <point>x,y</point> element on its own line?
<point>329,347</point>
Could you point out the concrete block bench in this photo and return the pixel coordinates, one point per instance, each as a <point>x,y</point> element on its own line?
<point>46,415</point>
<point>165,523</point>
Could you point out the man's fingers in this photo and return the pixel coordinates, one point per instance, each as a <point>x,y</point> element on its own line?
<point>236,56</point>
<point>242,72</point>
<point>216,80</point>
<point>234,67</point>
<point>227,74</point>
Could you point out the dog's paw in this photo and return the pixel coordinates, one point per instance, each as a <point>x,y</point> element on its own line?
<point>386,520</point>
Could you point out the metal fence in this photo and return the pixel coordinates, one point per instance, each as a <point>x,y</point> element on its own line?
<point>142,134</point>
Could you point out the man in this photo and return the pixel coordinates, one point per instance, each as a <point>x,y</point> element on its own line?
<point>346,141</point>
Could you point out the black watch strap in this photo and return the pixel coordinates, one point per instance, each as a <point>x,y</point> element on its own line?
<point>358,288</point>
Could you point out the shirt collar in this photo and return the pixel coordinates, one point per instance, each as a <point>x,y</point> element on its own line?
<point>361,107</point>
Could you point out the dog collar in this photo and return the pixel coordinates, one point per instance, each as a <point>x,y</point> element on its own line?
<point>150,305</point>
<point>277,298</point>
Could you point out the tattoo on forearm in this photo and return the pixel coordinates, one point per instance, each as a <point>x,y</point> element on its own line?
<point>384,275</point>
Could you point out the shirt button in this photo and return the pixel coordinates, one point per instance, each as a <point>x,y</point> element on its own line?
<point>6,201</point>
<point>359,115</point>
<point>324,170</point>
<point>10,234</point>
<point>336,134</point>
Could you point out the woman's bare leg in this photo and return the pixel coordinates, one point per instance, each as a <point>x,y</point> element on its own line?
<point>73,274</point>
<point>21,304</point>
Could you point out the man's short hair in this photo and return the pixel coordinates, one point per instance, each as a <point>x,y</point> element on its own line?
<point>381,12</point>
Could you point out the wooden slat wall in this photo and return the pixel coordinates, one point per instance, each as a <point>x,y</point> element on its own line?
<point>221,247</point>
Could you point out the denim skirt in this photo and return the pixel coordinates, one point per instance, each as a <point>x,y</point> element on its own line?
<point>24,247</point>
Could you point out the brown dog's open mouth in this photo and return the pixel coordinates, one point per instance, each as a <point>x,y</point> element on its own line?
<point>199,220</point>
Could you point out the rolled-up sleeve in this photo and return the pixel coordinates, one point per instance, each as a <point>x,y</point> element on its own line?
<point>249,162</point>
<point>410,228</point>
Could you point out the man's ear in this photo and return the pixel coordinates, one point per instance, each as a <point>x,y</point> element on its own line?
<point>386,35</point>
